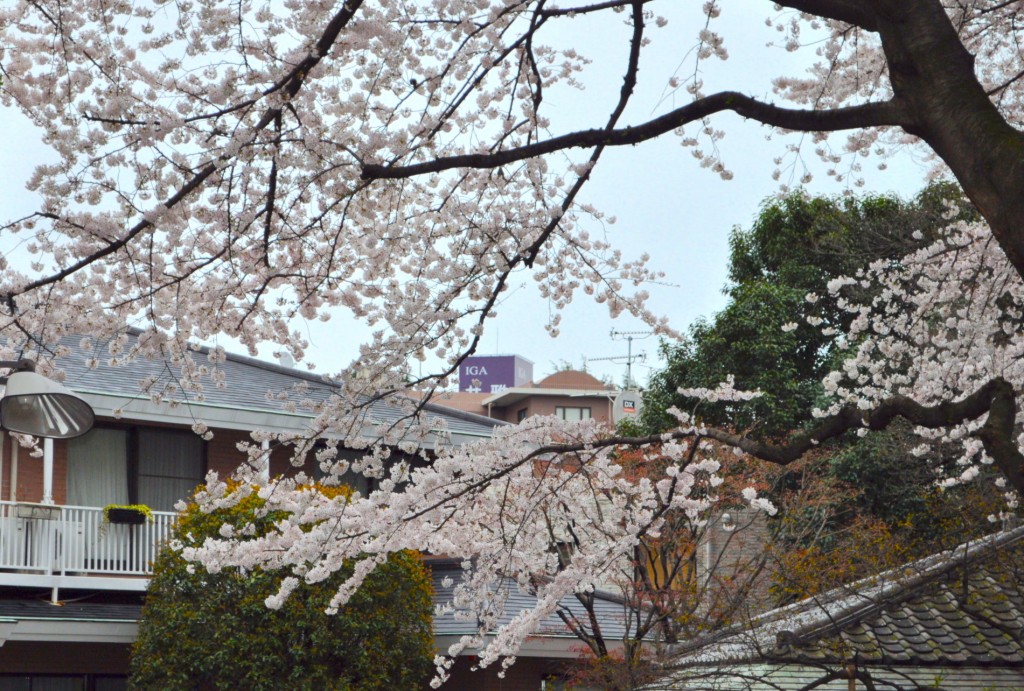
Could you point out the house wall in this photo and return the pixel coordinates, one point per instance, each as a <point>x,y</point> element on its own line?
<point>734,555</point>
<point>22,657</point>
<point>525,675</point>
<point>222,454</point>
<point>30,472</point>
<point>600,407</point>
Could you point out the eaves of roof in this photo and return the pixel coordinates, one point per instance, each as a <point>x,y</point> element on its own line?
<point>519,393</point>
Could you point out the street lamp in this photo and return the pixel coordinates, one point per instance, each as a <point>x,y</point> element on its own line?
<point>35,405</point>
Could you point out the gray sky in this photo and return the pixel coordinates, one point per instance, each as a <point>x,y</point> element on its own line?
<point>665,204</point>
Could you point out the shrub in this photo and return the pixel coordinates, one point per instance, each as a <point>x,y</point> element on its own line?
<point>213,631</point>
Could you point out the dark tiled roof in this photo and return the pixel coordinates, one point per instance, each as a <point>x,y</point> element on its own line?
<point>248,384</point>
<point>973,615</point>
<point>964,607</point>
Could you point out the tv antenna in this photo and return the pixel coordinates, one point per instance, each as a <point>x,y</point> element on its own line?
<point>629,358</point>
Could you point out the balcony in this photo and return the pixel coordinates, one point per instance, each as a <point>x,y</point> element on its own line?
<point>72,547</point>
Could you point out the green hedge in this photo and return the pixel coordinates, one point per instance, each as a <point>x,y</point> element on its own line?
<point>213,631</point>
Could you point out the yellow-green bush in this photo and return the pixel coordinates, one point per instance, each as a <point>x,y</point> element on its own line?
<point>213,631</point>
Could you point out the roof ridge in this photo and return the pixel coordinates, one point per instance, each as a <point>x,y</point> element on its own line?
<point>892,584</point>
<point>827,611</point>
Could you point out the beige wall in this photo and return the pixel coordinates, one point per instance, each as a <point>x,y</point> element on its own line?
<point>600,407</point>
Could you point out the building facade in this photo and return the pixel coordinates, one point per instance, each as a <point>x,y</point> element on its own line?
<point>72,579</point>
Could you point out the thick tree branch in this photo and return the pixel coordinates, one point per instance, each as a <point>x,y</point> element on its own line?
<point>860,14</point>
<point>868,115</point>
<point>996,398</point>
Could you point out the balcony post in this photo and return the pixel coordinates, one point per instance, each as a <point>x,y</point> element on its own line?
<point>47,471</point>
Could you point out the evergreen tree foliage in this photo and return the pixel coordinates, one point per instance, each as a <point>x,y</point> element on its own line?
<point>779,270</point>
<point>204,630</point>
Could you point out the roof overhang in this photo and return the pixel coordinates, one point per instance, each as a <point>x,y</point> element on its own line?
<point>68,630</point>
<point>140,408</point>
<point>512,395</point>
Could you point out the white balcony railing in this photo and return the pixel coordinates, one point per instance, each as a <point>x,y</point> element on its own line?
<point>74,540</point>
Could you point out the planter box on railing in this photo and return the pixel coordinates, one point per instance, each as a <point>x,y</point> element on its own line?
<point>129,516</point>
<point>44,512</point>
<point>126,515</point>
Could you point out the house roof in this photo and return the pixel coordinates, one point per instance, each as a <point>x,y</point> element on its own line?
<point>962,607</point>
<point>553,639</point>
<point>571,379</point>
<point>963,617</point>
<point>39,609</point>
<point>564,383</point>
<point>252,395</point>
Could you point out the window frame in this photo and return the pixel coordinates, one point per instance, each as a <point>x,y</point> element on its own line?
<point>585,413</point>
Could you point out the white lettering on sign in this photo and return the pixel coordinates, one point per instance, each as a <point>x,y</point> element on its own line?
<point>474,370</point>
<point>498,388</point>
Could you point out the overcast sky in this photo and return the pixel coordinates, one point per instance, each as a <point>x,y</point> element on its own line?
<point>664,203</point>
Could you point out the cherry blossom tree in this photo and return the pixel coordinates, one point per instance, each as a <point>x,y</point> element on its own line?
<point>223,168</point>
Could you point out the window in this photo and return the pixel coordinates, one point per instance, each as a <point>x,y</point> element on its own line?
<point>520,414</point>
<point>142,465</point>
<point>572,414</point>
<point>169,466</point>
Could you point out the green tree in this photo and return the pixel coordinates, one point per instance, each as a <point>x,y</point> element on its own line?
<point>795,247</point>
<point>779,273</point>
<point>214,631</point>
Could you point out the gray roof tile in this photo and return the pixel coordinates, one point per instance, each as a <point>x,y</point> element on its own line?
<point>446,574</point>
<point>248,383</point>
<point>962,607</point>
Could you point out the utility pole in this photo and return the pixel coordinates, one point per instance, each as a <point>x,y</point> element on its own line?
<point>629,358</point>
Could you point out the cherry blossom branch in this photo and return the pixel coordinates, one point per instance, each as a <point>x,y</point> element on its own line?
<point>293,83</point>
<point>888,113</point>
<point>587,9</point>
<point>996,398</point>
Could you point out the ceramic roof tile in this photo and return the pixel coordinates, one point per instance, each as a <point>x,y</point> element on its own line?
<point>931,625</point>
<point>928,614</point>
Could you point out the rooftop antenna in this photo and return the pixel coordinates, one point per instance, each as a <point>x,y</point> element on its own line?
<point>629,358</point>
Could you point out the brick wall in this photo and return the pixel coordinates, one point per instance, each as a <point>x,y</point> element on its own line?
<point>223,456</point>
<point>30,473</point>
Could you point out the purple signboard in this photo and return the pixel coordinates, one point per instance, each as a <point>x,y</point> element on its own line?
<point>494,373</point>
